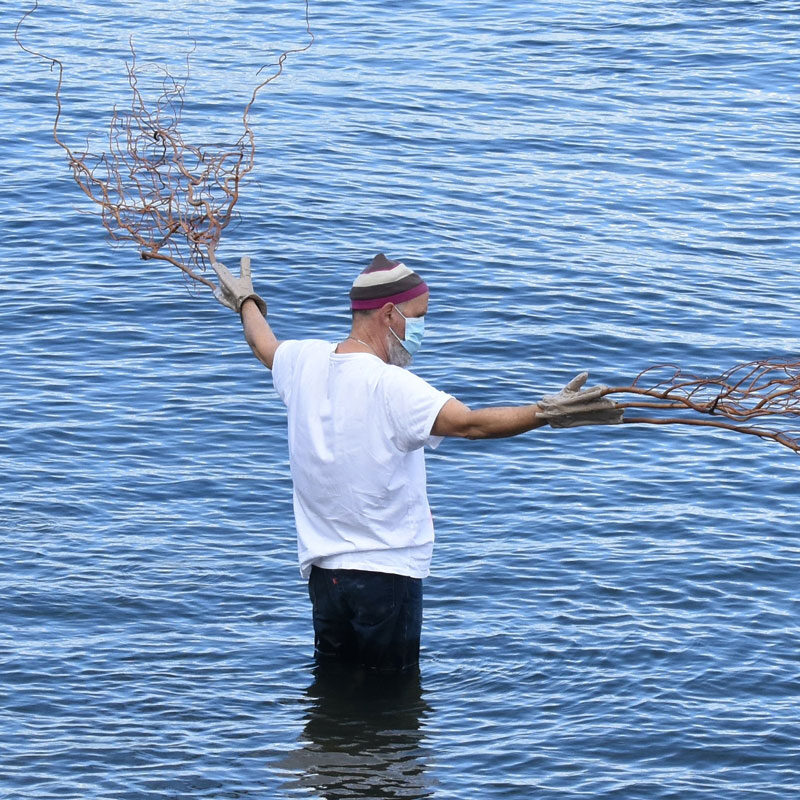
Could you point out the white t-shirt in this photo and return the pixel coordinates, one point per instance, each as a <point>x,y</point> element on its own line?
<point>357,427</point>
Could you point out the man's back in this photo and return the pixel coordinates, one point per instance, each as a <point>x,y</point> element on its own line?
<point>356,430</point>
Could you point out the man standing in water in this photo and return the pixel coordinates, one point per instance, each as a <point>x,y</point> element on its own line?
<point>358,422</point>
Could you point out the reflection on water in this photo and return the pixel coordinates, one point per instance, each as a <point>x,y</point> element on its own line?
<point>362,736</point>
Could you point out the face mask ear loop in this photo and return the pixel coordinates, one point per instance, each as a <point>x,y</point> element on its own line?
<point>405,319</point>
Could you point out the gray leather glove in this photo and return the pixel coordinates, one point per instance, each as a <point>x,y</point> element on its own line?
<point>574,406</point>
<point>232,291</point>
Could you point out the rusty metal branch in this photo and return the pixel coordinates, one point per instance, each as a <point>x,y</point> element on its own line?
<point>764,391</point>
<point>172,199</point>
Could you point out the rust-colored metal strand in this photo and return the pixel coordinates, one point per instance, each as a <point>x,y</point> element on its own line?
<point>172,199</point>
<point>54,63</point>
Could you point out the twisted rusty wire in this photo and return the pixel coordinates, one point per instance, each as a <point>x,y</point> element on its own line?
<point>765,392</point>
<point>172,199</point>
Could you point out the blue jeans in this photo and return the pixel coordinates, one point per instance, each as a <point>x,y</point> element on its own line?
<point>372,619</point>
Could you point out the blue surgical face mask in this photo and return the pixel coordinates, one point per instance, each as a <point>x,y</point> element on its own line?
<point>415,330</point>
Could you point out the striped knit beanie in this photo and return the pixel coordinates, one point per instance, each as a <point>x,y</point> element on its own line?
<point>385,281</point>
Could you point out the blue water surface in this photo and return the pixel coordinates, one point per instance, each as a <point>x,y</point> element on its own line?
<point>613,612</point>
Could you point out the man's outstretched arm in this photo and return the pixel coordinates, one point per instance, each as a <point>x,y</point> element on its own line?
<point>496,422</point>
<point>571,407</point>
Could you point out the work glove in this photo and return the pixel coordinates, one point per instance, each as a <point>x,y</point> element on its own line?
<point>232,291</point>
<point>574,406</point>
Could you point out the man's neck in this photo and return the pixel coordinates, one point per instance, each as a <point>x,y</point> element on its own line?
<point>360,341</point>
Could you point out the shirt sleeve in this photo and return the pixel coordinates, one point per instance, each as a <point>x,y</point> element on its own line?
<point>412,406</point>
<point>283,368</point>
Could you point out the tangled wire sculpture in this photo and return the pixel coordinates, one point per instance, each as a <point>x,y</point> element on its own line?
<point>765,392</point>
<point>171,198</point>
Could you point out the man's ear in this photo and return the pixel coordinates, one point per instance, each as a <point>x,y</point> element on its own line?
<point>386,311</point>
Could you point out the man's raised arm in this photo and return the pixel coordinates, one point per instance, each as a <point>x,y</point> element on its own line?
<point>258,333</point>
<point>238,295</point>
